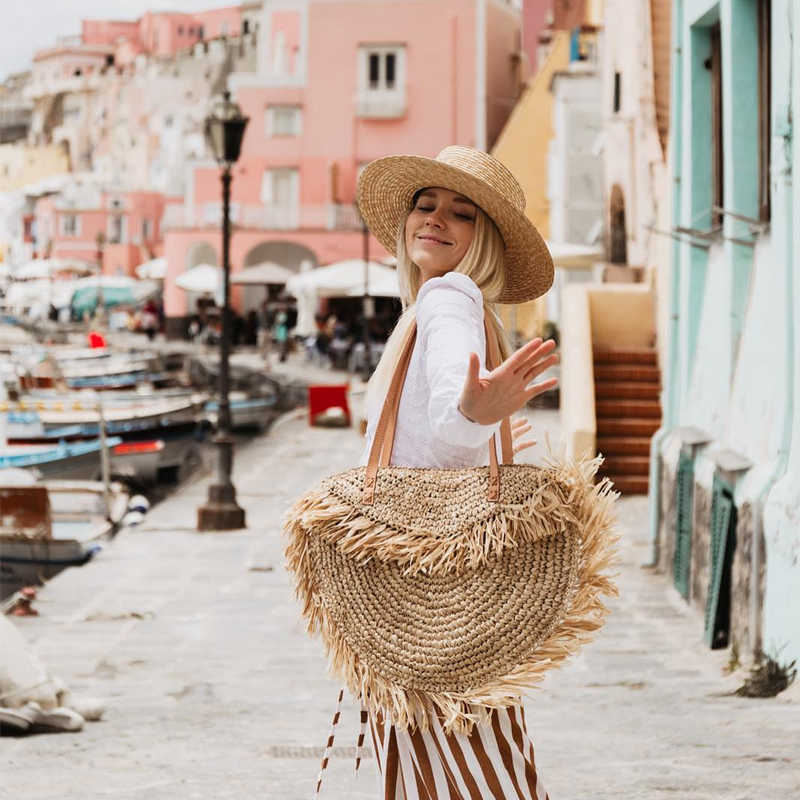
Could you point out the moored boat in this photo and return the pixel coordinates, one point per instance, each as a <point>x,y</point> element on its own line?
<point>48,526</point>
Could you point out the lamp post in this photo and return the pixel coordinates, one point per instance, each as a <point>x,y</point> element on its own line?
<point>224,129</point>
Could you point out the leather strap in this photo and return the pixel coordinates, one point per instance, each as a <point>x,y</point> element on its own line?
<point>383,441</point>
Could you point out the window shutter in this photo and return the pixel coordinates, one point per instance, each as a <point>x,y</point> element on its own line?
<point>683,524</point>
<point>723,513</point>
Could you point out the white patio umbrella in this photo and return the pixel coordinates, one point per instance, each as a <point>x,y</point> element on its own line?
<point>25,294</point>
<point>155,269</point>
<point>47,267</point>
<point>203,278</point>
<point>263,274</point>
<point>343,279</point>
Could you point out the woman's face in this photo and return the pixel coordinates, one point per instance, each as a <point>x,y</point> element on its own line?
<point>439,231</point>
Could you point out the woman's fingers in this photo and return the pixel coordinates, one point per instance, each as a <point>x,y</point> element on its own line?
<point>524,445</point>
<point>520,356</point>
<point>540,388</point>
<point>540,366</point>
<point>536,357</point>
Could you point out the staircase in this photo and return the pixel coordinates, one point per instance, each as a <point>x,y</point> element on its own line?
<point>628,413</point>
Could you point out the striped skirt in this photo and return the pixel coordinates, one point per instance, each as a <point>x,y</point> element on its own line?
<point>495,762</point>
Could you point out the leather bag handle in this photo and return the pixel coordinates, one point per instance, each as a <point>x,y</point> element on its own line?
<point>383,441</point>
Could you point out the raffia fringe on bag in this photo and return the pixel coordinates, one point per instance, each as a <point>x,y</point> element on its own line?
<point>451,591</point>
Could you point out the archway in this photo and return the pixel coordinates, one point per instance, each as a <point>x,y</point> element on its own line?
<point>293,256</point>
<point>618,240</point>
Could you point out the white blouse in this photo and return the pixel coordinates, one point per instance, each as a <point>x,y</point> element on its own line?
<point>431,431</point>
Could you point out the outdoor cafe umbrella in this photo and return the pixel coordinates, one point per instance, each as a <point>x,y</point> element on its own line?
<point>115,291</point>
<point>155,269</point>
<point>343,279</point>
<point>204,278</point>
<point>47,267</point>
<point>263,274</point>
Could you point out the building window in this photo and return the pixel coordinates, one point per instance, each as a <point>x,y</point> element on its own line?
<point>147,230</point>
<point>284,121</point>
<point>200,32</point>
<point>116,229</point>
<point>224,29</point>
<point>180,30</point>
<point>280,194</point>
<point>70,225</point>
<point>717,143</point>
<point>617,92</point>
<point>246,26</point>
<point>381,81</point>
<point>764,93</point>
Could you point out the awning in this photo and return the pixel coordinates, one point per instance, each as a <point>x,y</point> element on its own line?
<point>204,278</point>
<point>263,274</point>
<point>155,269</point>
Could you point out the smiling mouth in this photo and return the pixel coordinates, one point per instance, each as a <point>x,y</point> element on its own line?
<point>432,239</point>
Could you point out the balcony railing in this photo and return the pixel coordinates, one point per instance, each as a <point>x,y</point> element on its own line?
<point>330,216</point>
<point>380,105</point>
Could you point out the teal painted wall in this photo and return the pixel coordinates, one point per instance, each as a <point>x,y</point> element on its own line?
<point>732,370</point>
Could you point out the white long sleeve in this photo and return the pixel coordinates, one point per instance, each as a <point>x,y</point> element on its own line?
<point>431,431</point>
<point>450,328</point>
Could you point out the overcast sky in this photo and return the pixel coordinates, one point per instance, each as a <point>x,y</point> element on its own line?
<point>30,25</point>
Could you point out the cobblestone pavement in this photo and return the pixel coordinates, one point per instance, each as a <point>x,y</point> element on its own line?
<point>214,690</point>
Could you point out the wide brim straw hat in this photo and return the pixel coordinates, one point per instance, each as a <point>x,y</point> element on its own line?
<point>386,190</point>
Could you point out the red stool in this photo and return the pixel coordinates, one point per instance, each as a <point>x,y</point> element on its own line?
<point>324,396</point>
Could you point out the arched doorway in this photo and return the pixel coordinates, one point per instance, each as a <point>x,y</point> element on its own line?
<point>618,240</point>
<point>198,253</point>
<point>293,256</point>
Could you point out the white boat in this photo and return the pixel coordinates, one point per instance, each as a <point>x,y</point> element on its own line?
<point>46,527</point>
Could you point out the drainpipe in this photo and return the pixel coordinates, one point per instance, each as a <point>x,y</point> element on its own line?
<point>670,392</point>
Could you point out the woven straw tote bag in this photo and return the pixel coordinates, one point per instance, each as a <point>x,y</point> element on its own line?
<point>451,591</point>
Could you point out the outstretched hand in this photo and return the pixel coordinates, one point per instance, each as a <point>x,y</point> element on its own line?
<point>507,388</point>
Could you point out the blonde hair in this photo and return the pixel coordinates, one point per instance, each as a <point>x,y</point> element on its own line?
<point>483,262</point>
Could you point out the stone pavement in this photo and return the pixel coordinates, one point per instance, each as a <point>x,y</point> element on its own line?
<point>214,690</point>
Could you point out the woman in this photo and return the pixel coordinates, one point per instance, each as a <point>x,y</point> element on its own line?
<point>458,228</point>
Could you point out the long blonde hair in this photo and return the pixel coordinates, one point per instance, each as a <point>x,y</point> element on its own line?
<point>483,262</point>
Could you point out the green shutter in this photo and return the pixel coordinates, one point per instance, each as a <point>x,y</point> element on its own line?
<point>718,600</point>
<point>684,487</point>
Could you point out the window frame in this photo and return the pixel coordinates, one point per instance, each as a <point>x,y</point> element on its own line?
<point>76,228</point>
<point>717,125</point>
<point>764,11</point>
<point>272,113</point>
<point>377,98</point>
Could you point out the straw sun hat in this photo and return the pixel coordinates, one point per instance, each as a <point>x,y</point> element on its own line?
<point>387,186</point>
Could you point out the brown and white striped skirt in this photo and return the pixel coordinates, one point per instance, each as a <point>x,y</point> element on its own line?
<point>495,762</point>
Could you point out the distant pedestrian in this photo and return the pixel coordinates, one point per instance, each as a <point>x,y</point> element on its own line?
<point>282,333</point>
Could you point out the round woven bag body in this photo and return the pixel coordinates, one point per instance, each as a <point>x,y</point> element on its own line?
<point>434,599</point>
<point>451,591</point>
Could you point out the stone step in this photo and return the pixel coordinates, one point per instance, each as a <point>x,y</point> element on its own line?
<point>646,356</point>
<point>623,445</point>
<point>629,390</point>
<point>630,484</point>
<point>627,426</point>
<point>628,408</point>
<point>625,465</point>
<point>627,372</point>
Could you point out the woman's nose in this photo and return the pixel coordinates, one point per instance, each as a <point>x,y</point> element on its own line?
<point>433,218</point>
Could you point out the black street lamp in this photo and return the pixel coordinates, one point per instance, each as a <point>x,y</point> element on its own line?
<point>224,129</point>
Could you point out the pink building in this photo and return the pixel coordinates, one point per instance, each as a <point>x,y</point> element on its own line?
<point>396,77</point>
<point>165,33</point>
<point>118,229</point>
